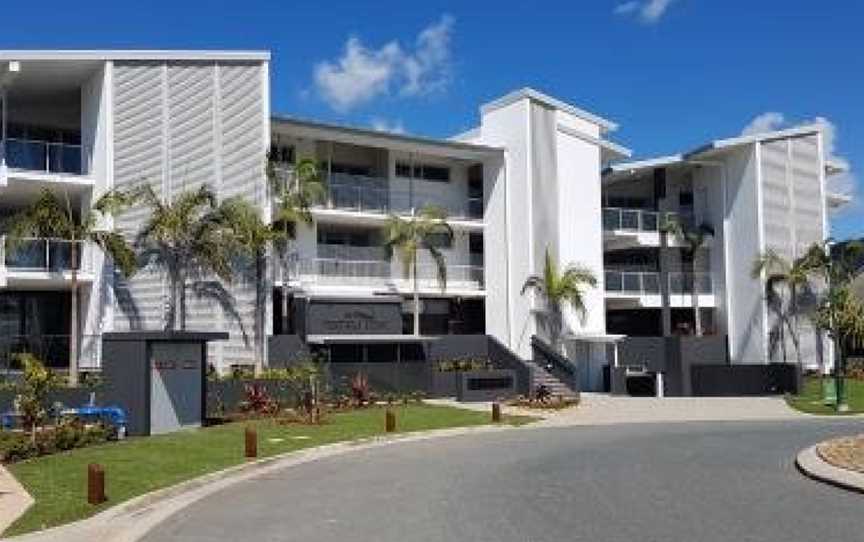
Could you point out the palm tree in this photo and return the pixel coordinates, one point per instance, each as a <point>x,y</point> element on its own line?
<point>185,238</point>
<point>250,236</point>
<point>795,275</point>
<point>295,192</point>
<point>559,288</point>
<point>694,240</point>
<point>50,218</point>
<point>407,237</point>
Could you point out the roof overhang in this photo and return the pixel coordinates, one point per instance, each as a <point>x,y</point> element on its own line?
<point>734,142</point>
<point>537,96</point>
<point>375,138</point>
<point>610,150</point>
<point>142,54</point>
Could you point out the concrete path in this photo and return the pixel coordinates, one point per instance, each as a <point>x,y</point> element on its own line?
<point>604,409</point>
<point>14,499</point>
<point>706,481</point>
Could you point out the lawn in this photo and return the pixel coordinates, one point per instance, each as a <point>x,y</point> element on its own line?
<point>140,465</point>
<point>810,399</point>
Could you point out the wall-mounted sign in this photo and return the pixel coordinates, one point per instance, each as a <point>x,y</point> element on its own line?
<point>332,318</point>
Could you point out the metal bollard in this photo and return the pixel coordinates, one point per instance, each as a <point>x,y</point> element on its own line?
<point>95,484</point>
<point>496,412</point>
<point>251,443</point>
<point>390,419</point>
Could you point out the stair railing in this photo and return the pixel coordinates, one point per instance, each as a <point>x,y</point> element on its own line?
<point>558,365</point>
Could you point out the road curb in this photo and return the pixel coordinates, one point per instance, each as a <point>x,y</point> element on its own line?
<point>810,464</point>
<point>131,520</point>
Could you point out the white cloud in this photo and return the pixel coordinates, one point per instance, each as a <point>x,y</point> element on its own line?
<point>648,11</point>
<point>383,125</point>
<point>766,122</point>
<point>362,74</point>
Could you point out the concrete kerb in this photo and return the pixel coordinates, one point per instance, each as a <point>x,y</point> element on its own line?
<point>810,464</point>
<point>131,520</point>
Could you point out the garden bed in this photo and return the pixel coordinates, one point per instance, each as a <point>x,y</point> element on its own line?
<point>844,452</point>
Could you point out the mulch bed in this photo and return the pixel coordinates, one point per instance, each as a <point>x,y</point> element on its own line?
<point>844,452</point>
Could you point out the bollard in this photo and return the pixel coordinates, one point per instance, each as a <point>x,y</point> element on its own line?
<point>496,412</point>
<point>390,419</point>
<point>251,443</point>
<point>95,484</point>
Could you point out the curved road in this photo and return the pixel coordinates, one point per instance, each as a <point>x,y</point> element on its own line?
<point>686,481</point>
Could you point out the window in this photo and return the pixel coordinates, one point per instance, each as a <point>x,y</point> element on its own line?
<point>426,172</point>
<point>284,154</point>
<point>346,169</point>
<point>685,199</point>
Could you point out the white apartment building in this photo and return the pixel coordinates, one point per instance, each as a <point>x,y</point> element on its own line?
<point>536,174</point>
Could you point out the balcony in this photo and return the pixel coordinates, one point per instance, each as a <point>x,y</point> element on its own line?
<point>385,274</point>
<point>44,157</point>
<point>27,260</point>
<point>631,289</point>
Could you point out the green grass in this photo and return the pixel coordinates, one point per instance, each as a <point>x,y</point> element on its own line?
<point>139,465</point>
<point>810,399</point>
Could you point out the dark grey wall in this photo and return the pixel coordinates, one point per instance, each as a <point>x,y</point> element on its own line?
<point>285,350</point>
<point>127,378</point>
<point>336,318</point>
<point>732,380</point>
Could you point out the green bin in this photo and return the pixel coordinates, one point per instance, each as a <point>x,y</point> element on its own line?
<point>829,391</point>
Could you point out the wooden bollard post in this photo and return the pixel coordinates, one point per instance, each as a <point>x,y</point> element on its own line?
<point>496,412</point>
<point>390,421</point>
<point>251,443</point>
<point>96,484</point>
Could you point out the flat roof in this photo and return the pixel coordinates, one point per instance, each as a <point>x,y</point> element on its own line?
<point>131,54</point>
<point>388,139</point>
<point>536,95</point>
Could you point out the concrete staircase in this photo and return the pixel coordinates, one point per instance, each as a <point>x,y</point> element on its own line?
<point>542,377</point>
<point>553,370</point>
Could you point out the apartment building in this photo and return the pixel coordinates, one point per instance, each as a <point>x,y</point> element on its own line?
<point>535,175</point>
<point>79,123</point>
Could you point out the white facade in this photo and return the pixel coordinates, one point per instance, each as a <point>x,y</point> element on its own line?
<point>536,174</point>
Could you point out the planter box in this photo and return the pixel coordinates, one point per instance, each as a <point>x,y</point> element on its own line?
<point>487,385</point>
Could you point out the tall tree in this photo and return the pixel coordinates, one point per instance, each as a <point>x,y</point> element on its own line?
<point>559,288</point>
<point>428,230</point>
<point>296,189</point>
<point>54,219</point>
<point>251,237</point>
<point>694,239</point>
<point>794,275</point>
<point>184,237</point>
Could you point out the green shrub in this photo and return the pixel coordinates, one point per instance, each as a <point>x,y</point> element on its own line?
<point>68,435</point>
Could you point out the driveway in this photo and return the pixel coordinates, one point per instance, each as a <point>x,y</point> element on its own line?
<point>685,481</point>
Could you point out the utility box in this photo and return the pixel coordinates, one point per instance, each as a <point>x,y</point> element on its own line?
<point>158,378</point>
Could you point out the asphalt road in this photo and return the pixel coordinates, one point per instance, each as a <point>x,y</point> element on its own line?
<point>673,482</point>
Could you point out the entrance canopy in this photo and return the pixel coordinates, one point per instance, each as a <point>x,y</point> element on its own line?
<point>368,339</point>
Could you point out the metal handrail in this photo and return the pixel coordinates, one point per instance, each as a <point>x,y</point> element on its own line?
<point>382,272</point>
<point>46,156</point>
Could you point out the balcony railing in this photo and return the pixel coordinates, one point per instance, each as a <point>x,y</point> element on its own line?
<point>638,220</point>
<point>44,156</point>
<point>648,282</point>
<point>384,273</point>
<point>683,283</point>
<point>632,282</point>
<point>43,255</point>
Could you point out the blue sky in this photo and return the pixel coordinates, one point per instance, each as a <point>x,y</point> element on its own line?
<point>673,73</point>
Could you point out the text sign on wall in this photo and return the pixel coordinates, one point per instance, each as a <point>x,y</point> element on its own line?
<point>328,318</point>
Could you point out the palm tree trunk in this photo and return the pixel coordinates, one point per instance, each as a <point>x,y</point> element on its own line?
<point>181,286</point>
<point>260,265</point>
<point>416,299</point>
<point>794,331</point>
<point>73,318</point>
<point>697,317</point>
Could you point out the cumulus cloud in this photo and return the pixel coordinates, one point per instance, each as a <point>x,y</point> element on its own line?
<point>766,122</point>
<point>647,11</point>
<point>383,125</point>
<point>362,73</point>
